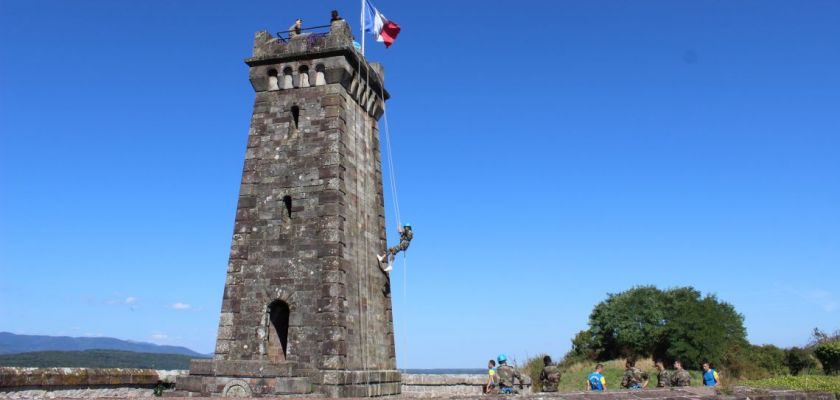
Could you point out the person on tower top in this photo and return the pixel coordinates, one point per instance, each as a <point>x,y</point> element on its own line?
<point>334,16</point>
<point>406,234</point>
<point>294,30</point>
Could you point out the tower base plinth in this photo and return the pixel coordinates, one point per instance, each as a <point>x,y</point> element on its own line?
<point>214,378</point>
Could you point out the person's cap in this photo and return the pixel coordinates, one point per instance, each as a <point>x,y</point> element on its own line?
<point>501,358</point>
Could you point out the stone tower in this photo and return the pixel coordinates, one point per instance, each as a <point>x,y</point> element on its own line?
<point>306,306</point>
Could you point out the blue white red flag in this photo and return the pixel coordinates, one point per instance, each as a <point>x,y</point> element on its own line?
<point>385,30</point>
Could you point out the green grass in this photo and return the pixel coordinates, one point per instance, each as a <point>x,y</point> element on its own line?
<point>816,383</point>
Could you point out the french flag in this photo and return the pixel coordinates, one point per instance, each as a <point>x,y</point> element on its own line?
<point>385,30</point>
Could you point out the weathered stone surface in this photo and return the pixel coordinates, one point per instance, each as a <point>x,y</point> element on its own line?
<point>17,377</point>
<point>445,385</point>
<point>304,292</point>
<point>293,386</point>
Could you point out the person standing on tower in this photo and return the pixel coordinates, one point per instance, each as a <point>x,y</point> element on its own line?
<point>334,16</point>
<point>406,234</point>
<point>294,30</point>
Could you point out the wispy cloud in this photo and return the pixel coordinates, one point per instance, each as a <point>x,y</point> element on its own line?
<point>819,297</point>
<point>130,301</point>
<point>824,298</point>
<point>180,306</point>
<point>157,336</point>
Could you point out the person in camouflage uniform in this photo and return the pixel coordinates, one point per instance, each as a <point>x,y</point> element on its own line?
<point>663,377</point>
<point>406,234</point>
<point>633,378</point>
<point>549,376</point>
<point>506,375</point>
<point>680,377</point>
<point>160,386</point>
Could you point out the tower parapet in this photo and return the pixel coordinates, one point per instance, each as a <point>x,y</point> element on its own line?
<point>279,64</point>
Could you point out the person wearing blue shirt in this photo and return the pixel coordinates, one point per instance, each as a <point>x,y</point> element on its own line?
<point>596,380</point>
<point>710,376</point>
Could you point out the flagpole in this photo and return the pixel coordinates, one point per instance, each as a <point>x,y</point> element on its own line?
<point>362,25</point>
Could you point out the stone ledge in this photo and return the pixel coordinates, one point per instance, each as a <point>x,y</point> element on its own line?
<point>448,379</point>
<point>664,394</point>
<point>16,377</point>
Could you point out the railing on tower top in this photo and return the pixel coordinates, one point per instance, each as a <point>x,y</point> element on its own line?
<point>286,35</point>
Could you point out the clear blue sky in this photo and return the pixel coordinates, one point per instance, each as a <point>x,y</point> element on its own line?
<point>547,153</point>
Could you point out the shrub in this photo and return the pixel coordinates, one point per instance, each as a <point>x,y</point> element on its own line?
<point>768,360</point>
<point>532,368</point>
<point>798,360</point>
<point>829,356</point>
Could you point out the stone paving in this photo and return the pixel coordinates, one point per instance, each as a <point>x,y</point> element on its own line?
<point>663,394</point>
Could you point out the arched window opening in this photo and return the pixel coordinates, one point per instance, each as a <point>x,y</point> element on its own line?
<point>278,334</point>
<point>320,80</point>
<point>303,75</point>
<point>272,80</point>
<point>287,78</point>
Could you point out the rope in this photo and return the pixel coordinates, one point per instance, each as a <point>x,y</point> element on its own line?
<point>391,174</point>
<point>392,178</point>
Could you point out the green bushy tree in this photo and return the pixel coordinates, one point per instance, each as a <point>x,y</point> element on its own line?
<point>628,323</point>
<point>829,355</point>
<point>767,361</point>
<point>582,347</point>
<point>798,360</point>
<point>675,323</point>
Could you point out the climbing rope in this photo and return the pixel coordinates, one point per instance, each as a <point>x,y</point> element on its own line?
<point>392,177</point>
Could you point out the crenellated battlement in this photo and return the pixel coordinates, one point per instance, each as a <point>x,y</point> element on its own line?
<point>317,59</point>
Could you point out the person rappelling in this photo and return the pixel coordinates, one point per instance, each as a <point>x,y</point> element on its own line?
<point>406,234</point>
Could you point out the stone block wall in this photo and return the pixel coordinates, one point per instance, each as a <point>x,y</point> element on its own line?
<point>17,378</point>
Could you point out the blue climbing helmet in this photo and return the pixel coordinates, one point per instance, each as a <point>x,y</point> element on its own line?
<point>406,225</point>
<point>501,358</point>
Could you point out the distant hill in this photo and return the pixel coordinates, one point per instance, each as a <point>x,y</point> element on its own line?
<point>96,359</point>
<point>11,343</point>
<point>447,371</point>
